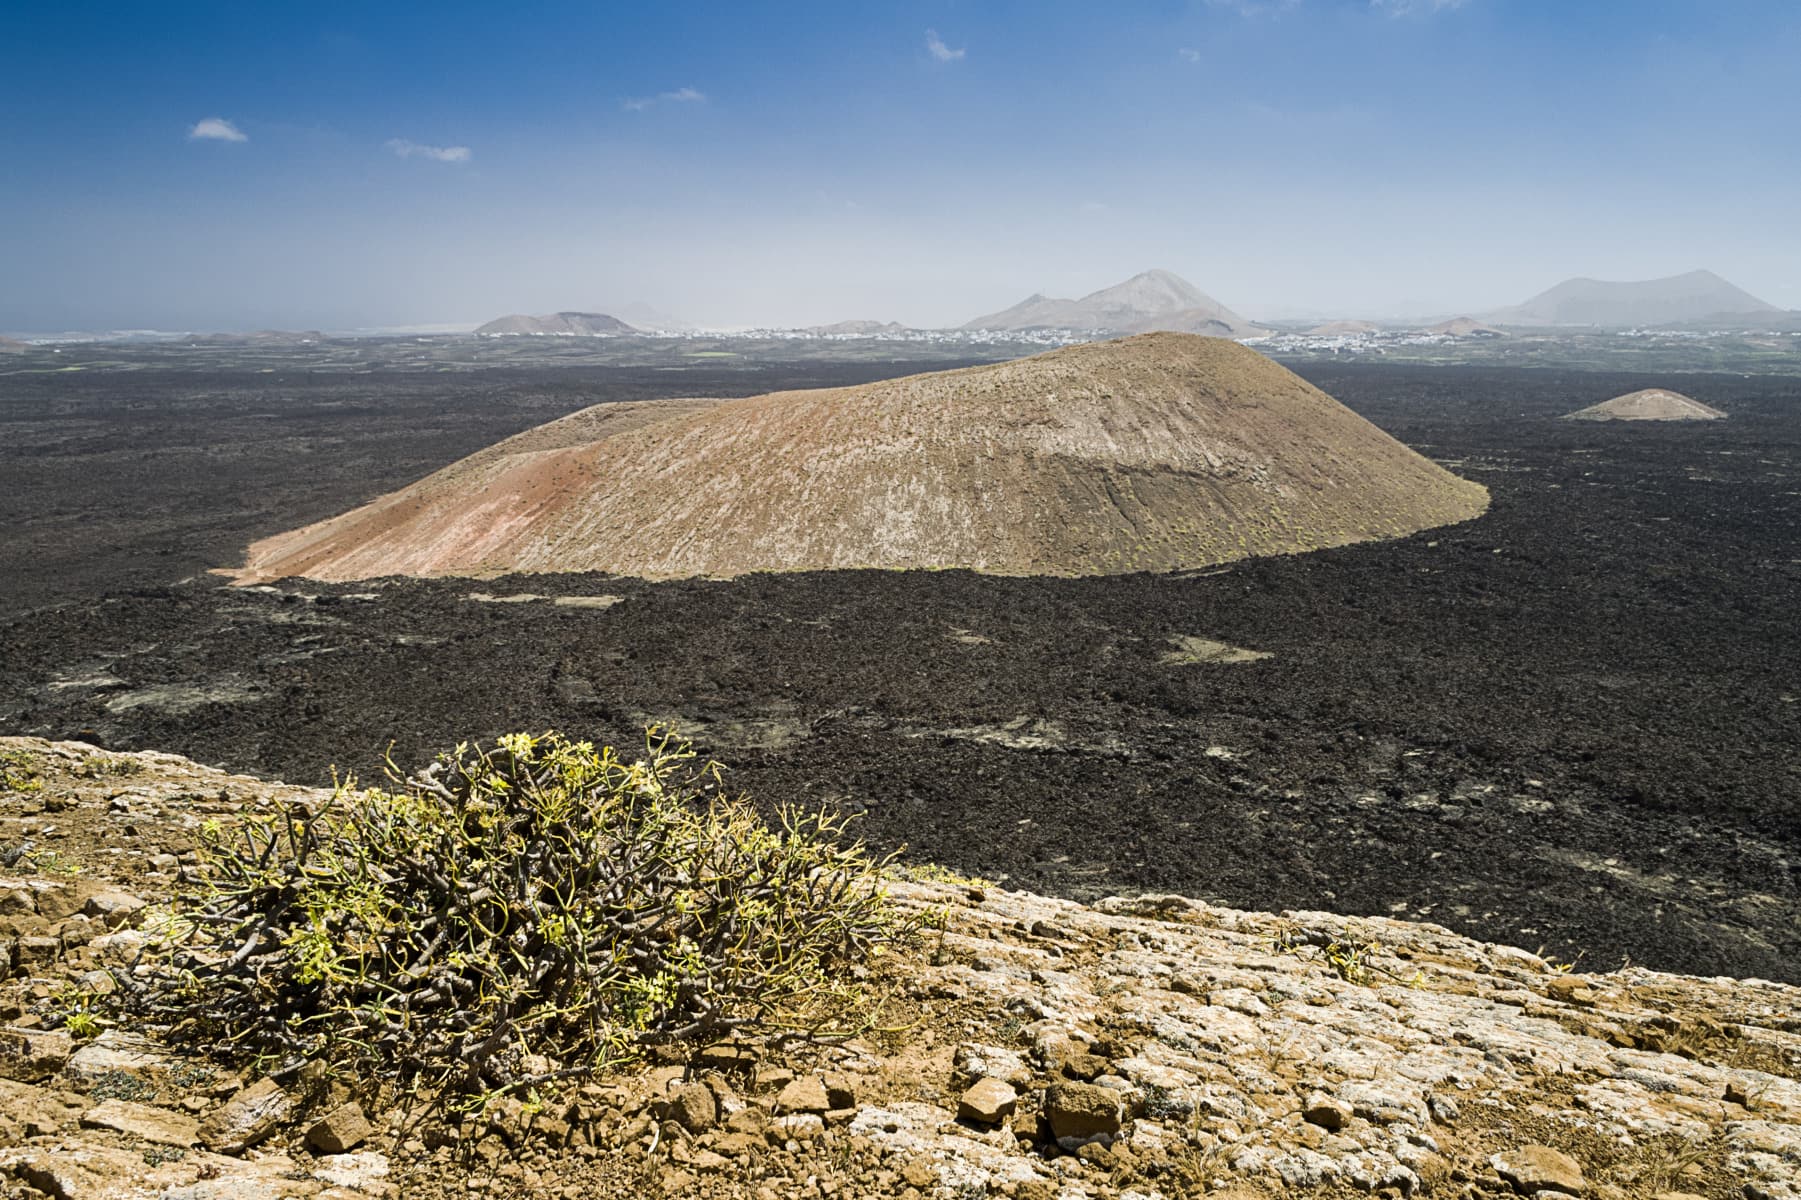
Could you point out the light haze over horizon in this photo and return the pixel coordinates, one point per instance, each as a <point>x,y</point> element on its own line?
<point>212,166</point>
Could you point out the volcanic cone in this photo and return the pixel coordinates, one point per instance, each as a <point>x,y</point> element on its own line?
<point>1156,452</point>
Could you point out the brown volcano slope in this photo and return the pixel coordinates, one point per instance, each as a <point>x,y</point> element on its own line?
<point>1651,404</point>
<point>1151,453</point>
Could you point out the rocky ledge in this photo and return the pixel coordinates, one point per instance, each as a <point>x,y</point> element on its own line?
<point>1142,1047</point>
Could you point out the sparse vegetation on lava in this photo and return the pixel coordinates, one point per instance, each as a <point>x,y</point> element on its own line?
<point>516,916</point>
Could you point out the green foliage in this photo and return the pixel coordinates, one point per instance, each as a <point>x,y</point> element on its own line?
<point>516,915</point>
<point>1559,966</point>
<point>19,771</point>
<point>48,862</point>
<point>78,1010</point>
<point>929,872</point>
<point>101,766</point>
<point>1352,960</point>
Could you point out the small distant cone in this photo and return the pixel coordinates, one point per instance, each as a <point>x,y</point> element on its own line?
<point>1156,452</point>
<point>1651,404</point>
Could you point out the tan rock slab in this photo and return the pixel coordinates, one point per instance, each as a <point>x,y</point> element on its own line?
<point>90,1171</point>
<point>247,1118</point>
<point>342,1129</point>
<point>693,1107</point>
<point>113,908</point>
<point>973,1061</point>
<point>30,1055</point>
<point>364,1171</point>
<point>116,1052</point>
<point>988,1102</point>
<point>1083,1110</point>
<point>740,1145</point>
<point>920,1175</point>
<point>806,1094</point>
<point>1326,1112</point>
<point>145,1121</point>
<point>37,951</point>
<point>1535,1169</point>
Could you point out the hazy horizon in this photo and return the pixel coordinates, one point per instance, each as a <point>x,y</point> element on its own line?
<point>341,168</point>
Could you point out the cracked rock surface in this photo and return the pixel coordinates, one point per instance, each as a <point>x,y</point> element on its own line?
<point>1148,1046</point>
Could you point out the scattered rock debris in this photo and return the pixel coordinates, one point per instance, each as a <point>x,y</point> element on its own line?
<point>1139,1048</point>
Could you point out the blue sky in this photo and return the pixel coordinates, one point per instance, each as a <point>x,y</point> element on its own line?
<point>363,165</point>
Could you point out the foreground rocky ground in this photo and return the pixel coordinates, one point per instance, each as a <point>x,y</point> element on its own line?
<point>1036,1048</point>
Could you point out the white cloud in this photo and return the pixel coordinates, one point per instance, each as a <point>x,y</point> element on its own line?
<point>686,95</point>
<point>216,129</point>
<point>938,50</point>
<point>1189,54</point>
<point>446,154</point>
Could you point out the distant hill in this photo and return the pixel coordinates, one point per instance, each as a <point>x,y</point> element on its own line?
<point>1344,328</point>
<point>563,324</point>
<point>1149,302</point>
<point>1651,404</point>
<point>1464,327</point>
<point>1154,453</point>
<point>1592,302</point>
<point>857,328</point>
<point>10,346</point>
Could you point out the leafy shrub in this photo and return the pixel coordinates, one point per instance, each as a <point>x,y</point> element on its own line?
<point>517,915</point>
<point>19,772</point>
<point>1352,960</point>
<point>100,766</point>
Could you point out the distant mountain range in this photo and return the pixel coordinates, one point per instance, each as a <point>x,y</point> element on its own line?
<point>1696,296</point>
<point>1147,302</point>
<point>563,324</point>
<point>1152,301</point>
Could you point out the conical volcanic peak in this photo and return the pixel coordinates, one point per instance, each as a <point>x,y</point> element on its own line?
<point>1606,304</point>
<point>1156,452</point>
<point>1651,404</point>
<point>1462,327</point>
<point>563,324</point>
<point>1151,301</point>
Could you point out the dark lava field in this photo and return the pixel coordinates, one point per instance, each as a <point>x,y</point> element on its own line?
<point>1574,723</point>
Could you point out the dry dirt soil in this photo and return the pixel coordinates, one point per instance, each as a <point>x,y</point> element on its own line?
<point>1572,723</point>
